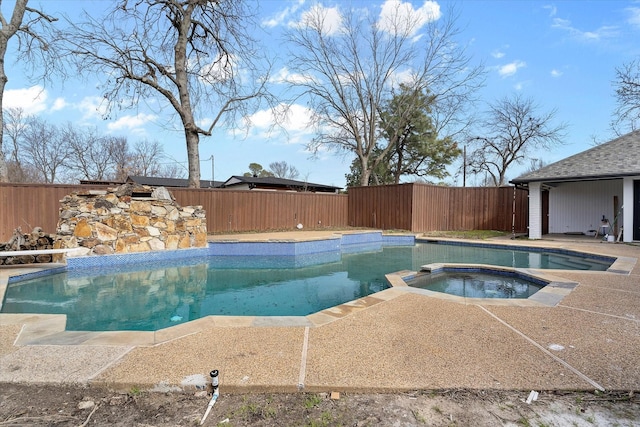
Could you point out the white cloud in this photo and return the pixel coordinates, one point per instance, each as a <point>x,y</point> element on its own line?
<point>31,100</point>
<point>58,104</point>
<point>556,73</point>
<point>285,76</point>
<point>93,107</point>
<point>283,15</point>
<point>497,54</point>
<point>131,123</point>
<point>293,120</point>
<point>405,76</point>
<point>552,10</point>
<point>511,68</point>
<point>220,70</point>
<point>604,32</point>
<point>398,15</point>
<point>328,19</point>
<point>634,16</point>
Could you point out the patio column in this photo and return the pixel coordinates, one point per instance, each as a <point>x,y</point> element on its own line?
<point>535,210</point>
<point>627,212</point>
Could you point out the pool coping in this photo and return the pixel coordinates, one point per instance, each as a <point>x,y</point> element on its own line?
<point>49,329</point>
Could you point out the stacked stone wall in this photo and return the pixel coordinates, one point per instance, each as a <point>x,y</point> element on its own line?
<point>127,219</point>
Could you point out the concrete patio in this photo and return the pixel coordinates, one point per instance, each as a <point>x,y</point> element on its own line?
<point>397,339</point>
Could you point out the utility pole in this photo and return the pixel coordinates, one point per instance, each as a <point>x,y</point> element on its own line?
<point>212,175</point>
<point>464,166</point>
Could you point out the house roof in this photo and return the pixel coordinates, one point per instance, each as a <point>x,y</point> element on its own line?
<point>271,181</point>
<point>614,159</point>
<point>170,182</point>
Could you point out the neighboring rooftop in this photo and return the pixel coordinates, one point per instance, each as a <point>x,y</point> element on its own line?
<point>614,159</point>
<point>235,182</point>
<point>273,183</point>
<point>170,182</point>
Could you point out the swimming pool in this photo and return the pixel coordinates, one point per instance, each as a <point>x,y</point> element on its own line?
<point>153,296</point>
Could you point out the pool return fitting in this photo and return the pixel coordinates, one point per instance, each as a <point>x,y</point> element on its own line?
<point>214,383</point>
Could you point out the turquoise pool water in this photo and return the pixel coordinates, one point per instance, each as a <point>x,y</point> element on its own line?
<point>154,296</point>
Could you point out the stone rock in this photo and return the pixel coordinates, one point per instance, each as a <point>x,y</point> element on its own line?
<point>104,232</point>
<point>161,193</point>
<point>139,247</point>
<point>172,241</point>
<point>139,206</point>
<point>200,240</point>
<point>156,244</point>
<point>90,243</point>
<point>158,210</point>
<point>185,242</point>
<point>103,203</point>
<point>172,213</point>
<point>82,229</point>
<point>103,250</point>
<point>153,231</point>
<point>66,214</point>
<point>139,220</point>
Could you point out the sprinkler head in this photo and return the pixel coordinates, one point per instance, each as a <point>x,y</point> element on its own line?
<point>214,378</point>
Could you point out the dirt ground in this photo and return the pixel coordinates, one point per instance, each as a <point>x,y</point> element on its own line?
<point>22,405</point>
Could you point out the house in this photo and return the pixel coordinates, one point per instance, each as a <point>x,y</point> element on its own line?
<point>154,182</point>
<point>271,183</point>
<point>233,183</point>
<point>170,182</point>
<point>595,191</point>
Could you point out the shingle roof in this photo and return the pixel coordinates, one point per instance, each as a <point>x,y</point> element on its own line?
<point>170,182</point>
<point>278,182</point>
<point>616,158</point>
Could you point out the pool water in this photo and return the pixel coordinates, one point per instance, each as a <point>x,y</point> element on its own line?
<point>476,285</point>
<point>149,297</point>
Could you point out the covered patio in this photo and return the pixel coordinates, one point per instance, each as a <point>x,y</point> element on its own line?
<point>593,192</point>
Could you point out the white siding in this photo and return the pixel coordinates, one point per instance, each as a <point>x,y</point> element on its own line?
<point>579,206</point>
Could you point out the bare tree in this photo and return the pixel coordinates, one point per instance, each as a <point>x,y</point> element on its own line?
<point>513,127</point>
<point>91,155</point>
<point>15,125</point>
<point>24,25</point>
<point>44,149</point>
<point>120,159</point>
<point>284,170</point>
<point>627,87</point>
<point>195,55</point>
<point>347,69</point>
<point>145,158</point>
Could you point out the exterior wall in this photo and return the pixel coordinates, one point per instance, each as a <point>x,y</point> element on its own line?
<point>579,206</point>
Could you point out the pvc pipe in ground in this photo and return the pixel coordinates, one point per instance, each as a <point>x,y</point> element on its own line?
<point>211,403</point>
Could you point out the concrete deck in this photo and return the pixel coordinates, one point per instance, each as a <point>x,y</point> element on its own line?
<point>394,340</point>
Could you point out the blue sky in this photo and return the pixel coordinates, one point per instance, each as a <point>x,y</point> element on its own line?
<point>562,54</point>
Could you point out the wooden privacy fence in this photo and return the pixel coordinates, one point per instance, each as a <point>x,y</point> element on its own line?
<point>414,207</point>
<point>421,207</point>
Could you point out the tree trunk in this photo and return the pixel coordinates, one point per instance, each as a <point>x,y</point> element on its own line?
<point>193,156</point>
<point>366,172</point>
<point>6,32</point>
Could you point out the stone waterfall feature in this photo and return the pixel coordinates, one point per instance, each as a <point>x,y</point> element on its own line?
<point>127,219</point>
